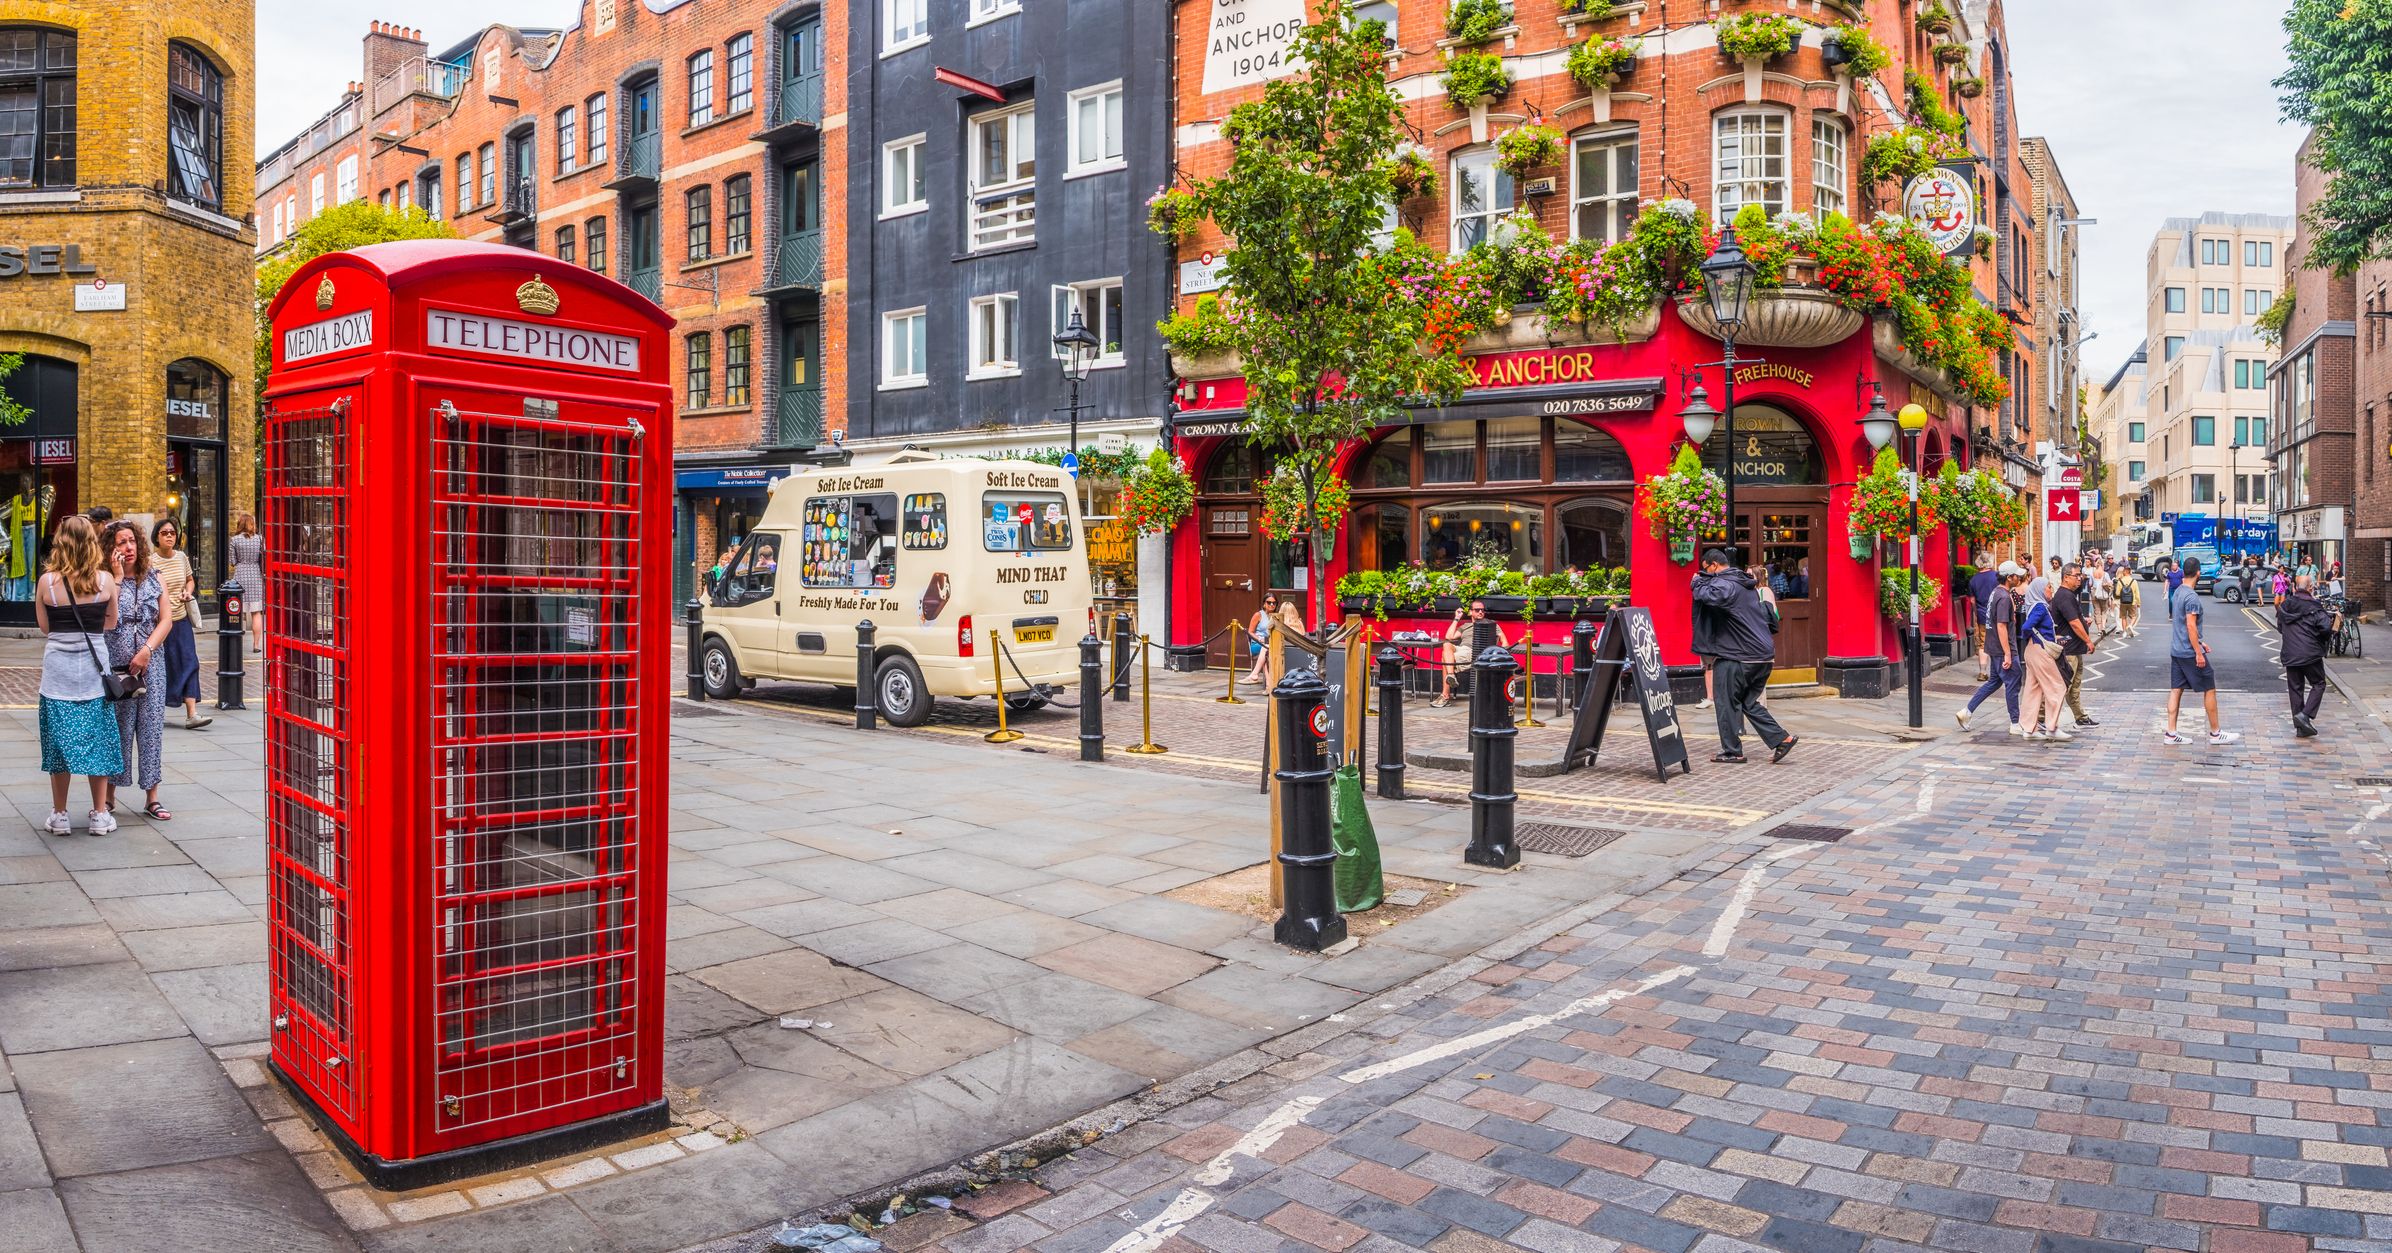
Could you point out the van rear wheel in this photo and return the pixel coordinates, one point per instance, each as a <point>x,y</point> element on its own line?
<point>897,687</point>
<point>721,670</point>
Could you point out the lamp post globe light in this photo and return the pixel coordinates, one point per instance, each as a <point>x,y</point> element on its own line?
<point>1078,346</point>
<point>1727,285</point>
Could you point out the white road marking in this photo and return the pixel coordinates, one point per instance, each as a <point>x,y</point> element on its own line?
<point>2202,778</point>
<point>1955,765</point>
<point>1257,1142</point>
<point>1926,803</point>
<point>1464,1044</point>
<point>2375,811</point>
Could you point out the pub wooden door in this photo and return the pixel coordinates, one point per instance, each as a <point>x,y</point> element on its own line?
<point>1234,559</point>
<point>1785,540</point>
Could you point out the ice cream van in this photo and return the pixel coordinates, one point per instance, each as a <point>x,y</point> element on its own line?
<point>948,559</point>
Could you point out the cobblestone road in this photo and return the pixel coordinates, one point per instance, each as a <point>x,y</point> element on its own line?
<point>2082,998</point>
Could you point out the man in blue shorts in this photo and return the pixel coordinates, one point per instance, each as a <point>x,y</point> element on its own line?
<point>2188,659</point>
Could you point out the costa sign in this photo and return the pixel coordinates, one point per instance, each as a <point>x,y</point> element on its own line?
<point>1944,205</point>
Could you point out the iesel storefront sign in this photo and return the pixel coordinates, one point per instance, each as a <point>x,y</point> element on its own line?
<point>20,259</point>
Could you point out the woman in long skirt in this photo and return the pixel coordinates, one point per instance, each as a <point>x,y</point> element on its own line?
<point>182,615</point>
<point>140,633</point>
<point>75,605</point>
<point>249,570</point>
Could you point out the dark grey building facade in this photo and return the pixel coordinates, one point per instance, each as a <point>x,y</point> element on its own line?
<point>1000,156</point>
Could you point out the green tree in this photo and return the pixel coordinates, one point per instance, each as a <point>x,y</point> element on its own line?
<point>12,412</point>
<point>352,225</point>
<point>1331,344</point>
<point>2340,83</point>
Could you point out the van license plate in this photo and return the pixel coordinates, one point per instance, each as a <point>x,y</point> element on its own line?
<point>1034,635</point>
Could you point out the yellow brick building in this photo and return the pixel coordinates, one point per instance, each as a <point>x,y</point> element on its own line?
<point>126,242</point>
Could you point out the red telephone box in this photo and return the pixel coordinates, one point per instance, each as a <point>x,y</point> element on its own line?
<point>467,471</point>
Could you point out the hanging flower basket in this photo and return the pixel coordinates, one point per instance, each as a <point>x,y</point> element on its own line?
<point>1951,54</point>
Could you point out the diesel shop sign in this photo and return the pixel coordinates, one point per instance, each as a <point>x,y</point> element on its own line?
<point>16,259</point>
<point>484,336</point>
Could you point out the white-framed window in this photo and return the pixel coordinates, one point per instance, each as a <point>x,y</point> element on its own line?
<point>903,23</point>
<point>1382,11</point>
<point>1096,129</point>
<point>990,10</point>
<point>345,181</point>
<point>1004,208</point>
<point>905,349</point>
<point>1099,305</point>
<point>902,188</point>
<point>1751,162</point>
<point>1603,180</point>
<point>315,194</point>
<point>996,336</point>
<point>1483,196</point>
<point>1831,152</point>
<point>276,234</point>
<point>406,195</point>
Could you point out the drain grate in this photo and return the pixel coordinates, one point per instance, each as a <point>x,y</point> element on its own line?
<point>1561,839</point>
<point>1800,831</point>
<point>2373,780</point>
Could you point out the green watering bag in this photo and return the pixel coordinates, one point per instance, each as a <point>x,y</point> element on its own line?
<point>1359,886</point>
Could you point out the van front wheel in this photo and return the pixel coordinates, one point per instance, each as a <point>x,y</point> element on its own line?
<point>721,670</point>
<point>902,698</point>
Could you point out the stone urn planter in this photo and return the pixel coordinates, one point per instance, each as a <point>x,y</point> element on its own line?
<point>1222,365</point>
<point>1790,317</point>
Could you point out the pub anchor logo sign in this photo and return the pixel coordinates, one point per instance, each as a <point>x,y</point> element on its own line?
<point>1944,206</point>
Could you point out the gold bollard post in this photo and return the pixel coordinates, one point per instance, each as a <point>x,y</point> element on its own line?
<point>1147,747</point>
<point>1003,734</point>
<point>1528,684</point>
<point>1232,697</point>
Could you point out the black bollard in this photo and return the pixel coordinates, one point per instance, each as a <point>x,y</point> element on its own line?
<point>1123,642</point>
<point>230,609</point>
<point>694,615</point>
<point>1092,705</point>
<point>1391,724</point>
<point>1582,659</point>
<point>867,700</point>
<point>1491,749</point>
<point>1308,916</point>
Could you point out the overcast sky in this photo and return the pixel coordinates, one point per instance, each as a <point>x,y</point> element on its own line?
<point>2155,109</point>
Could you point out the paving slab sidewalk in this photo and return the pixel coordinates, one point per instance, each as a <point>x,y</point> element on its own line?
<point>978,940</point>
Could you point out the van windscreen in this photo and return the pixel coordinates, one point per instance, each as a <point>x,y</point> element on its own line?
<point>1022,522</point>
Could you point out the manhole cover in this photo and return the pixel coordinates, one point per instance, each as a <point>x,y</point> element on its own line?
<point>2374,780</point>
<point>1799,831</point>
<point>1563,840</point>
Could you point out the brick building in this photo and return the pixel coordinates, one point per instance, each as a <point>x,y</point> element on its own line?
<point>125,193</point>
<point>688,150</point>
<point>1684,122</point>
<point>2064,443</point>
<point>2312,439</point>
<point>2368,557</point>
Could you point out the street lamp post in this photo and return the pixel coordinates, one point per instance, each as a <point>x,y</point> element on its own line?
<point>1078,346</point>
<point>1880,428</point>
<point>1727,284</point>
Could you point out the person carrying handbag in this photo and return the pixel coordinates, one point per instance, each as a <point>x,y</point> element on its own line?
<point>75,605</point>
<point>133,646</point>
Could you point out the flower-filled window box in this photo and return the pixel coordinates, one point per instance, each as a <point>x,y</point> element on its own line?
<point>1475,77</point>
<point>1757,36</point>
<point>1472,22</point>
<point>1852,52</point>
<point>1600,62</point>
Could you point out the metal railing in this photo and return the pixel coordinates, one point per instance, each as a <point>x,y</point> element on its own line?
<point>649,283</point>
<point>521,200</point>
<point>422,74</point>
<point>797,421</point>
<point>642,156</point>
<point>1005,217</point>
<point>798,261</point>
<point>800,100</point>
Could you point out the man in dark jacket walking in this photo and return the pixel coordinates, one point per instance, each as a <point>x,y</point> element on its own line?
<point>2306,627</point>
<point>1734,629</point>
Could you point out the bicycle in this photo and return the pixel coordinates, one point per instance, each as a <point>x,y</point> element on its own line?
<point>2345,641</point>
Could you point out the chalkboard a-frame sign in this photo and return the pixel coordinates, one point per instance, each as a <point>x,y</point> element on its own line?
<point>1628,652</point>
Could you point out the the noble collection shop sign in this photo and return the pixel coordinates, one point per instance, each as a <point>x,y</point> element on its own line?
<point>1248,41</point>
<point>485,336</point>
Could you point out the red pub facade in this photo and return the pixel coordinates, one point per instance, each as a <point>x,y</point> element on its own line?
<point>1543,457</point>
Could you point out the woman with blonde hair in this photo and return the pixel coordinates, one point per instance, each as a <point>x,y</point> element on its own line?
<point>74,604</point>
<point>249,570</point>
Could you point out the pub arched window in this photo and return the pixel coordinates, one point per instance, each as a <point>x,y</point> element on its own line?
<point>194,127</point>
<point>37,107</point>
<point>1594,532</point>
<point>1232,472</point>
<point>1773,449</point>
